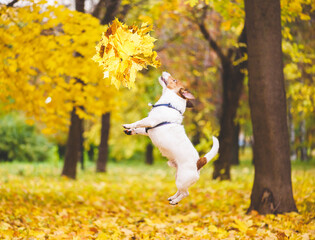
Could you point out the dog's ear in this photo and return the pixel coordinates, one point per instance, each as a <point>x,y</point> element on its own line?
<point>184,93</point>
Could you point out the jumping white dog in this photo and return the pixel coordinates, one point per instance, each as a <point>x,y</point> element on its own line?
<point>163,126</point>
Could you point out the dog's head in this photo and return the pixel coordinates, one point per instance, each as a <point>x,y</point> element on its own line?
<point>170,83</point>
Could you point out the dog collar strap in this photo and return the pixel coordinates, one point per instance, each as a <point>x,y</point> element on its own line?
<point>167,105</point>
<point>159,125</point>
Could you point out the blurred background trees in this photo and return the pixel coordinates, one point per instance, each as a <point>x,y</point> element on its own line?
<point>47,75</point>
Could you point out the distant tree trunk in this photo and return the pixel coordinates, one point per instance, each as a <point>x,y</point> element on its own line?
<point>149,154</point>
<point>80,5</point>
<point>73,152</point>
<point>302,147</point>
<point>235,160</point>
<point>10,4</point>
<point>292,132</point>
<point>232,84</point>
<point>61,150</point>
<point>103,147</point>
<point>232,89</point>
<point>91,153</point>
<point>74,149</point>
<point>81,145</point>
<point>112,7</point>
<point>272,189</point>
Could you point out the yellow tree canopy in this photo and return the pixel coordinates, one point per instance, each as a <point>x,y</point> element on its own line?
<point>47,68</point>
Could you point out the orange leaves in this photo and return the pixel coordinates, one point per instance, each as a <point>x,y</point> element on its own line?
<point>125,50</point>
<point>46,52</point>
<point>130,202</point>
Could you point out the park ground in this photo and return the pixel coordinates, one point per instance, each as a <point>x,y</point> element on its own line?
<point>130,202</point>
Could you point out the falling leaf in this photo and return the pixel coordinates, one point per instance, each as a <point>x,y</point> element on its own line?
<point>125,50</point>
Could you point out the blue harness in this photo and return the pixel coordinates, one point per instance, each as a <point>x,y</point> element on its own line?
<point>162,123</point>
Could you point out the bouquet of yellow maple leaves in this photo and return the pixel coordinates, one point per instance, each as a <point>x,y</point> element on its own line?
<point>124,50</point>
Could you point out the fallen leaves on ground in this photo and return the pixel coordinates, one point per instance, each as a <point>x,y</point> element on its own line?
<point>130,202</point>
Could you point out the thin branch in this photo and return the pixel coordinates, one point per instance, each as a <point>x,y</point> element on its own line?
<point>112,7</point>
<point>200,21</point>
<point>12,3</point>
<point>211,42</point>
<point>97,9</point>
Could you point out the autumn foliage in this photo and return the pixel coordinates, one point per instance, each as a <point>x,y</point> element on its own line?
<point>130,202</point>
<point>55,60</point>
<point>123,51</point>
<point>43,58</point>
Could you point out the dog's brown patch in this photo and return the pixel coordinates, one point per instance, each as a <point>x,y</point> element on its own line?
<point>201,162</point>
<point>178,87</point>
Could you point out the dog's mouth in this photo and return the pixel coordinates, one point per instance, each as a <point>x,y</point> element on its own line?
<point>164,77</point>
<point>164,80</point>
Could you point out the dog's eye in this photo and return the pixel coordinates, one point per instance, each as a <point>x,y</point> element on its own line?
<point>174,80</point>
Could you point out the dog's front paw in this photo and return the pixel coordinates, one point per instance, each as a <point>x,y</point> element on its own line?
<point>129,131</point>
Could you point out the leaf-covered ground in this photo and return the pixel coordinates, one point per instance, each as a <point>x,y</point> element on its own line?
<point>130,202</point>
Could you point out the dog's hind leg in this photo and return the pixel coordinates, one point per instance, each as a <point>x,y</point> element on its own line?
<point>179,196</point>
<point>174,196</point>
<point>185,178</point>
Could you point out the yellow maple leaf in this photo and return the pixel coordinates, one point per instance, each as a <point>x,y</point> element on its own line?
<point>124,50</point>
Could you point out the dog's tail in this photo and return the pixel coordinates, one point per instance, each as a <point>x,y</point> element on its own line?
<point>207,158</point>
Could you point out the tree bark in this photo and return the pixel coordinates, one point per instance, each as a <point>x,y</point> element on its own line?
<point>293,156</point>
<point>302,148</point>
<point>235,160</point>
<point>10,4</point>
<point>80,5</point>
<point>112,7</point>
<point>149,154</point>
<point>272,189</point>
<point>73,152</point>
<point>233,80</point>
<point>103,147</point>
<point>232,84</point>
<point>74,149</point>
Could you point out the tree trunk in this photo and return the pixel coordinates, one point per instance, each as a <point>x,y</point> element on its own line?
<point>81,145</point>
<point>292,132</point>
<point>103,147</point>
<point>73,150</point>
<point>80,5</point>
<point>232,84</point>
<point>272,189</point>
<point>61,151</point>
<point>232,89</point>
<point>236,147</point>
<point>112,7</point>
<point>233,79</point>
<point>303,148</point>
<point>149,154</point>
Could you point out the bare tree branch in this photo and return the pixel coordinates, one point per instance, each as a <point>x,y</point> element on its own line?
<point>112,7</point>
<point>79,5</point>
<point>200,21</point>
<point>12,3</point>
<point>98,8</point>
